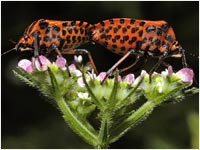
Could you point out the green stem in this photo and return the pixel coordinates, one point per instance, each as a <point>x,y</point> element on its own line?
<point>88,135</point>
<point>141,114</point>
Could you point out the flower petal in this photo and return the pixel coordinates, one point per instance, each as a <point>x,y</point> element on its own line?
<point>101,76</point>
<point>81,82</point>
<point>129,78</point>
<point>186,75</point>
<point>44,63</point>
<point>61,62</point>
<point>170,70</point>
<point>26,65</point>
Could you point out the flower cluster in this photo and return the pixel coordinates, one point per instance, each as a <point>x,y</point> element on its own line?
<point>41,64</point>
<point>78,92</point>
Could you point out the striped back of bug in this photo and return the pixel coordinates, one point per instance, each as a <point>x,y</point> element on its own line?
<point>119,35</point>
<point>64,34</point>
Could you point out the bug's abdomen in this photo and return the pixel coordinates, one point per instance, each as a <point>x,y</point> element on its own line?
<point>122,34</point>
<point>64,34</point>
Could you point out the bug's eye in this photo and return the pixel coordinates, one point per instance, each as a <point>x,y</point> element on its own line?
<point>25,37</point>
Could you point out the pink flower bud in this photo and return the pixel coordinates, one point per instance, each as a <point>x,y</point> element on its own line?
<point>186,75</point>
<point>26,65</point>
<point>129,78</point>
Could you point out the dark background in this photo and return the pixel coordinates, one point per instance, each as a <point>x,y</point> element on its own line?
<point>28,121</point>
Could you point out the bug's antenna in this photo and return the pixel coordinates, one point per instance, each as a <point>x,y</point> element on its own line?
<point>13,49</point>
<point>12,41</point>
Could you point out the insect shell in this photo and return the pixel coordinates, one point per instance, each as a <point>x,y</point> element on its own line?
<point>63,34</point>
<point>120,35</point>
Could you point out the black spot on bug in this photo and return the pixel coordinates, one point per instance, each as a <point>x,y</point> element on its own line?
<point>103,36</point>
<point>79,38</point>
<point>64,24</point>
<point>124,29</point>
<point>46,39</point>
<point>87,25</point>
<point>108,37</point>
<point>123,48</point>
<point>107,30</point>
<point>144,40</point>
<point>62,41</point>
<point>111,21</point>
<point>113,40</point>
<point>76,30</point>
<point>157,42</point>
<point>121,20</point>
<point>81,30</point>
<point>69,30</point>
<point>43,24</point>
<point>125,38</point>
<point>159,31</point>
<point>73,23</point>
<point>117,37</point>
<point>169,38</point>
<point>80,23</point>
<point>151,39</point>
<point>55,28</point>
<point>110,27</point>
<point>140,33</point>
<point>128,26</point>
<point>132,21</point>
<point>122,41</point>
<point>151,29</point>
<point>74,39</point>
<point>101,30</point>
<point>114,46</point>
<point>102,23</point>
<point>68,39</point>
<point>47,30</point>
<point>119,26</point>
<point>138,44</point>
<point>134,39</point>
<point>83,38</point>
<point>142,23</point>
<point>133,30</point>
<point>63,32</point>
<point>115,30</point>
<point>165,27</point>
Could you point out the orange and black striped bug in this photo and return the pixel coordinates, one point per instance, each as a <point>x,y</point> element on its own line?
<point>44,36</point>
<point>126,36</point>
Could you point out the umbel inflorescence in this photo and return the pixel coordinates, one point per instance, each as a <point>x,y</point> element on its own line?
<point>79,92</point>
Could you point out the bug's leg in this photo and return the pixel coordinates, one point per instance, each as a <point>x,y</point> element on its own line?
<point>133,64</point>
<point>131,52</point>
<point>160,61</point>
<point>185,65</point>
<point>36,48</point>
<point>81,52</point>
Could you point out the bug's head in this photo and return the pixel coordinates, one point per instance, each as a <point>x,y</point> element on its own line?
<point>176,50</point>
<point>25,43</point>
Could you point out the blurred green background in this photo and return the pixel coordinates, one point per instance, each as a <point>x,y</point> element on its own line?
<point>29,121</point>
